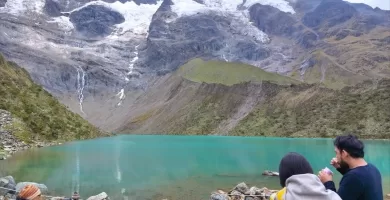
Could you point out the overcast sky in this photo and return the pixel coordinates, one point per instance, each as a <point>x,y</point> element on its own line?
<point>382,4</point>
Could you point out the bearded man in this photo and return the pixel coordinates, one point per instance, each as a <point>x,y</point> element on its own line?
<point>361,180</point>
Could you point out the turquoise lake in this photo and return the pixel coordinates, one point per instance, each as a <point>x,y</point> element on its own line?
<point>172,167</point>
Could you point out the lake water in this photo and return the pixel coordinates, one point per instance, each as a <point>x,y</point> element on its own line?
<point>172,167</point>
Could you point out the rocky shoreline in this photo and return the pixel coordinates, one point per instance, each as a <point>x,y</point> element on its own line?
<point>243,192</point>
<point>9,189</point>
<point>10,144</point>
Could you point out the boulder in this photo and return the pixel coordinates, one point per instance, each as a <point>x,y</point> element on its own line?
<point>100,196</point>
<point>388,196</point>
<point>236,195</point>
<point>9,183</point>
<point>270,173</point>
<point>242,188</point>
<point>21,185</point>
<point>3,155</point>
<point>219,196</point>
<point>254,191</point>
<point>253,198</point>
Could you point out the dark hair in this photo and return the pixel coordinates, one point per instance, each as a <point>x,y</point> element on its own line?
<point>351,144</point>
<point>293,164</point>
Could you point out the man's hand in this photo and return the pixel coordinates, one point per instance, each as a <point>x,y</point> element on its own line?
<point>334,163</point>
<point>324,177</point>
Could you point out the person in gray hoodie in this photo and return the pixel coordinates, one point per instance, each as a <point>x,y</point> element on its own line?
<point>296,175</point>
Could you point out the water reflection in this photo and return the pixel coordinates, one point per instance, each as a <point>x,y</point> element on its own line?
<point>76,174</point>
<point>117,164</point>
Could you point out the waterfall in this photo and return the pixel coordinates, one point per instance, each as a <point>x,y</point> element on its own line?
<point>121,95</point>
<point>224,57</point>
<point>305,64</point>
<point>323,73</point>
<point>80,86</point>
<point>131,65</point>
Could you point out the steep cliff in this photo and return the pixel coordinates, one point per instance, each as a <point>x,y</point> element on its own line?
<point>34,114</point>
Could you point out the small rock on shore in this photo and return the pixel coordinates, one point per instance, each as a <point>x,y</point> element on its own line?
<point>7,182</point>
<point>241,192</point>
<point>270,173</point>
<point>101,196</point>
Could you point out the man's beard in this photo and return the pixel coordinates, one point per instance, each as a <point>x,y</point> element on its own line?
<point>343,165</point>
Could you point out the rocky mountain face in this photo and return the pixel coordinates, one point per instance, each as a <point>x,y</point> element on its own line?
<point>99,56</point>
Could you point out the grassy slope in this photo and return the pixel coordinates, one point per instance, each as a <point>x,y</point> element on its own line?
<point>38,114</point>
<point>348,61</point>
<point>328,72</point>
<point>263,108</point>
<point>225,73</point>
<point>318,112</point>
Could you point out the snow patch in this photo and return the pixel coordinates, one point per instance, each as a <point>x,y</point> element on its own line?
<point>230,8</point>
<point>282,5</point>
<point>63,22</point>
<point>190,7</point>
<point>17,7</point>
<point>137,17</point>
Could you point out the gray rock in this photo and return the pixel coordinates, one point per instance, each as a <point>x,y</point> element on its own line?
<point>219,196</point>
<point>52,8</point>
<point>42,187</point>
<point>242,188</point>
<point>270,173</point>
<point>252,198</point>
<point>171,44</point>
<point>272,21</point>
<point>9,183</point>
<point>11,180</point>
<point>254,191</point>
<point>331,12</point>
<point>95,20</point>
<point>100,196</point>
<point>2,3</point>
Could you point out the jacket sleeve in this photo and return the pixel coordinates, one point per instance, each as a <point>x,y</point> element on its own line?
<point>350,187</point>
<point>330,186</point>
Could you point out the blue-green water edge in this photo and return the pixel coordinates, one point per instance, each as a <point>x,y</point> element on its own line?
<point>172,167</point>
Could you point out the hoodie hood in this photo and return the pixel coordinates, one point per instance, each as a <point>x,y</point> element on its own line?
<point>308,187</point>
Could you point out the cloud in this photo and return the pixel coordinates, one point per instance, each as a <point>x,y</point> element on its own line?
<point>382,4</point>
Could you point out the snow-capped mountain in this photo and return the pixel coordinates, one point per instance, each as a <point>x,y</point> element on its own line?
<point>91,53</point>
<point>103,38</point>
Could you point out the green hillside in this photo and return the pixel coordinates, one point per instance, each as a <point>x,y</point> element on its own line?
<point>319,112</point>
<point>37,114</point>
<point>226,73</point>
<point>212,97</point>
